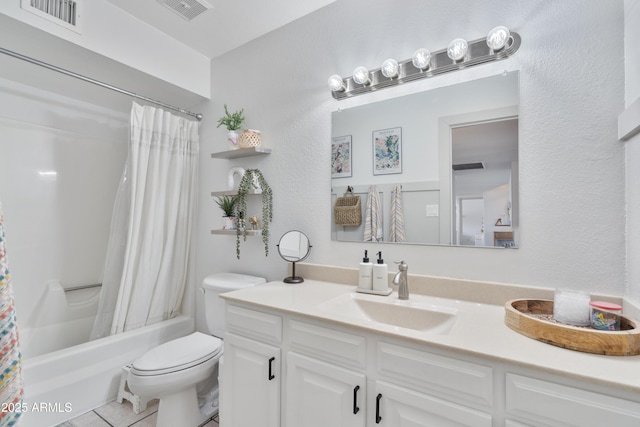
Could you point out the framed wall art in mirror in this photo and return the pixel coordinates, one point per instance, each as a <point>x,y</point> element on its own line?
<point>458,169</point>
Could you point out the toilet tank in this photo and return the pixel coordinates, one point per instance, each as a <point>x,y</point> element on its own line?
<point>217,284</point>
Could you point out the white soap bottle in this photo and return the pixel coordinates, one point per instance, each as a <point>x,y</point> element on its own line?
<point>365,277</point>
<point>380,275</point>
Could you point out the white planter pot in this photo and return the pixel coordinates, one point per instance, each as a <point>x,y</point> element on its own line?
<point>228,223</point>
<point>232,138</point>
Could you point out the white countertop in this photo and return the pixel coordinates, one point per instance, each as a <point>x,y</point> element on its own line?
<point>479,330</point>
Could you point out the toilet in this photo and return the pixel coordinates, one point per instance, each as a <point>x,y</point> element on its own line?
<point>171,371</point>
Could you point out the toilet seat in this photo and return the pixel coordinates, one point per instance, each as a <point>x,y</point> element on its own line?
<point>176,355</point>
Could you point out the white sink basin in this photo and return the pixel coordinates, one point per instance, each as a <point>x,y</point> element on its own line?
<point>389,310</point>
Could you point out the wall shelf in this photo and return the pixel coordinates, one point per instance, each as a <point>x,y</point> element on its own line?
<point>232,192</point>
<point>241,152</point>
<point>233,232</point>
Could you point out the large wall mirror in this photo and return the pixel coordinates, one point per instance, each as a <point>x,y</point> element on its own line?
<point>442,163</point>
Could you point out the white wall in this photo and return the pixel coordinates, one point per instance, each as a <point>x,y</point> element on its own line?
<point>571,175</point>
<point>632,148</point>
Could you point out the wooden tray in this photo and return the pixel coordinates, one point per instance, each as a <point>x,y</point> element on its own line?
<point>526,316</point>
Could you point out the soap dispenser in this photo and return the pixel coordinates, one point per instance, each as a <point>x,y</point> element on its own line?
<point>365,275</point>
<point>380,275</point>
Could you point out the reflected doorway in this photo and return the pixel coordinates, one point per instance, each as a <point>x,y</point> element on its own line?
<point>484,162</point>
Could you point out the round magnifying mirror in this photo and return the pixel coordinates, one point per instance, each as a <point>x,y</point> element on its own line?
<point>294,247</point>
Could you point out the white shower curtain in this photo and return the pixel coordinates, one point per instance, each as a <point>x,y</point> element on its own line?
<point>147,262</point>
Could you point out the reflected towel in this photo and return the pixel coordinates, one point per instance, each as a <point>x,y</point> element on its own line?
<point>396,225</point>
<point>11,387</point>
<point>373,217</point>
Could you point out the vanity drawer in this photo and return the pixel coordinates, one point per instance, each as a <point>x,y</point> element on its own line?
<point>328,344</point>
<point>441,376</point>
<point>546,404</point>
<point>254,324</point>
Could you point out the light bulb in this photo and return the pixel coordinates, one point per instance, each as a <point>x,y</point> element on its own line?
<point>457,49</point>
<point>361,76</point>
<point>421,59</point>
<point>336,84</point>
<point>498,37</point>
<point>390,68</point>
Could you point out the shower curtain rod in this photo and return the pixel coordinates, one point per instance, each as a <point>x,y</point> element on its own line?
<point>97,83</point>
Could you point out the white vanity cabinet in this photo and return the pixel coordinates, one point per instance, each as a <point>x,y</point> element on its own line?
<point>537,403</point>
<point>320,394</point>
<point>333,380</point>
<point>418,388</point>
<point>399,406</point>
<point>326,381</point>
<point>332,374</point>
<point>251,373</point>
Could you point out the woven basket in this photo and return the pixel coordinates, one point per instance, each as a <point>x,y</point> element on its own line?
<point>250,138</point>
<point>348,211</point>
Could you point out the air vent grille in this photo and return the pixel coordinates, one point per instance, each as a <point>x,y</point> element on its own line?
<point>188,9</point>
<point>64,10</point>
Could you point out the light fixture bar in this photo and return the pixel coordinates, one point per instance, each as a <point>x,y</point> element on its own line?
<point>479,53</point>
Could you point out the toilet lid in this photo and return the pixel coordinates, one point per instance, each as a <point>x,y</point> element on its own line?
<point>181,353</point>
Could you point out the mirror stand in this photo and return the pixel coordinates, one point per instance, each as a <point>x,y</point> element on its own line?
<point>294,247</point>
<point>293,278</point>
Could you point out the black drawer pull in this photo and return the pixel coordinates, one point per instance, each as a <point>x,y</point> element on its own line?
<point>378,417</point>
<point>355,400</point>
<point>271,376</point>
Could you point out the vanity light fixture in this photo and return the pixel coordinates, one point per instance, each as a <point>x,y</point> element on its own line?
<point>421,59</point>
<point>457,49</point>
<point>390,68</point>
<point>336,84</point>
<point>498,38</point>
<point>361,76</point>
<point>500,43</point>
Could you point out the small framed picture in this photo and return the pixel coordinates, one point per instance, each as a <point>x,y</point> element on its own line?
<point>341,157</point>
<point>387,151</point>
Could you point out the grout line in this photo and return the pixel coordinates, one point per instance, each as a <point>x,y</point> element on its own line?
<point>137,421</point>
<point>111,425</point>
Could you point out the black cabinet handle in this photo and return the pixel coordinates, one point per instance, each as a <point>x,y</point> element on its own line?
<point>271,376</point>
<point>355,400</point>
<point>378,417</point>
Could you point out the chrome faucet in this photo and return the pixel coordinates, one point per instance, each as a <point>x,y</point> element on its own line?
<point>402,279</point>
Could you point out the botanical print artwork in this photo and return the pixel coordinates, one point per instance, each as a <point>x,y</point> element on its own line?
<point>387,151</point>
<point>341,157</point>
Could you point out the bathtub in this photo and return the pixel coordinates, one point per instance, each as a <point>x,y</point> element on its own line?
<point>66,383</point>
<point>59,319</point>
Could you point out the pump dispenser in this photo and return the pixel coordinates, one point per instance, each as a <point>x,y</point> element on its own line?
<point>365,276</point>
<point>380,275</point>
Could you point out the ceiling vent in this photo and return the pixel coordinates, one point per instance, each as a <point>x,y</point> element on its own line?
<point>188,9</point>
<point>61,12</point>
<point>468,166</point>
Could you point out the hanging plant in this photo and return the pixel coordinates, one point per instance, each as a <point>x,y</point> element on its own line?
<point>253,180</point>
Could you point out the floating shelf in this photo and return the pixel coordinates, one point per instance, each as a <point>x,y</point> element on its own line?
<point>232,192</point>
<point>233,232</point>
<point>241,152</point>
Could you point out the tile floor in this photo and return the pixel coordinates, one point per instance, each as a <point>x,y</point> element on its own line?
<point>115,414</point>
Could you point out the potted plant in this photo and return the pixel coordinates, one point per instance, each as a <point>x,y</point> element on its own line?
<point>254,180</point>
<point>228,205</point>
<point>233,122</point>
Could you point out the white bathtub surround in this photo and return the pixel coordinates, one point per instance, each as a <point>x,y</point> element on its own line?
<point>162,182</point>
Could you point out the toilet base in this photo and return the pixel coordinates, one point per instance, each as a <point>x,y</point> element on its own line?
<point>179,409</point>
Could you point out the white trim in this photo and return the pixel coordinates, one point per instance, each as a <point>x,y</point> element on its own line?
<point>629,121</point>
